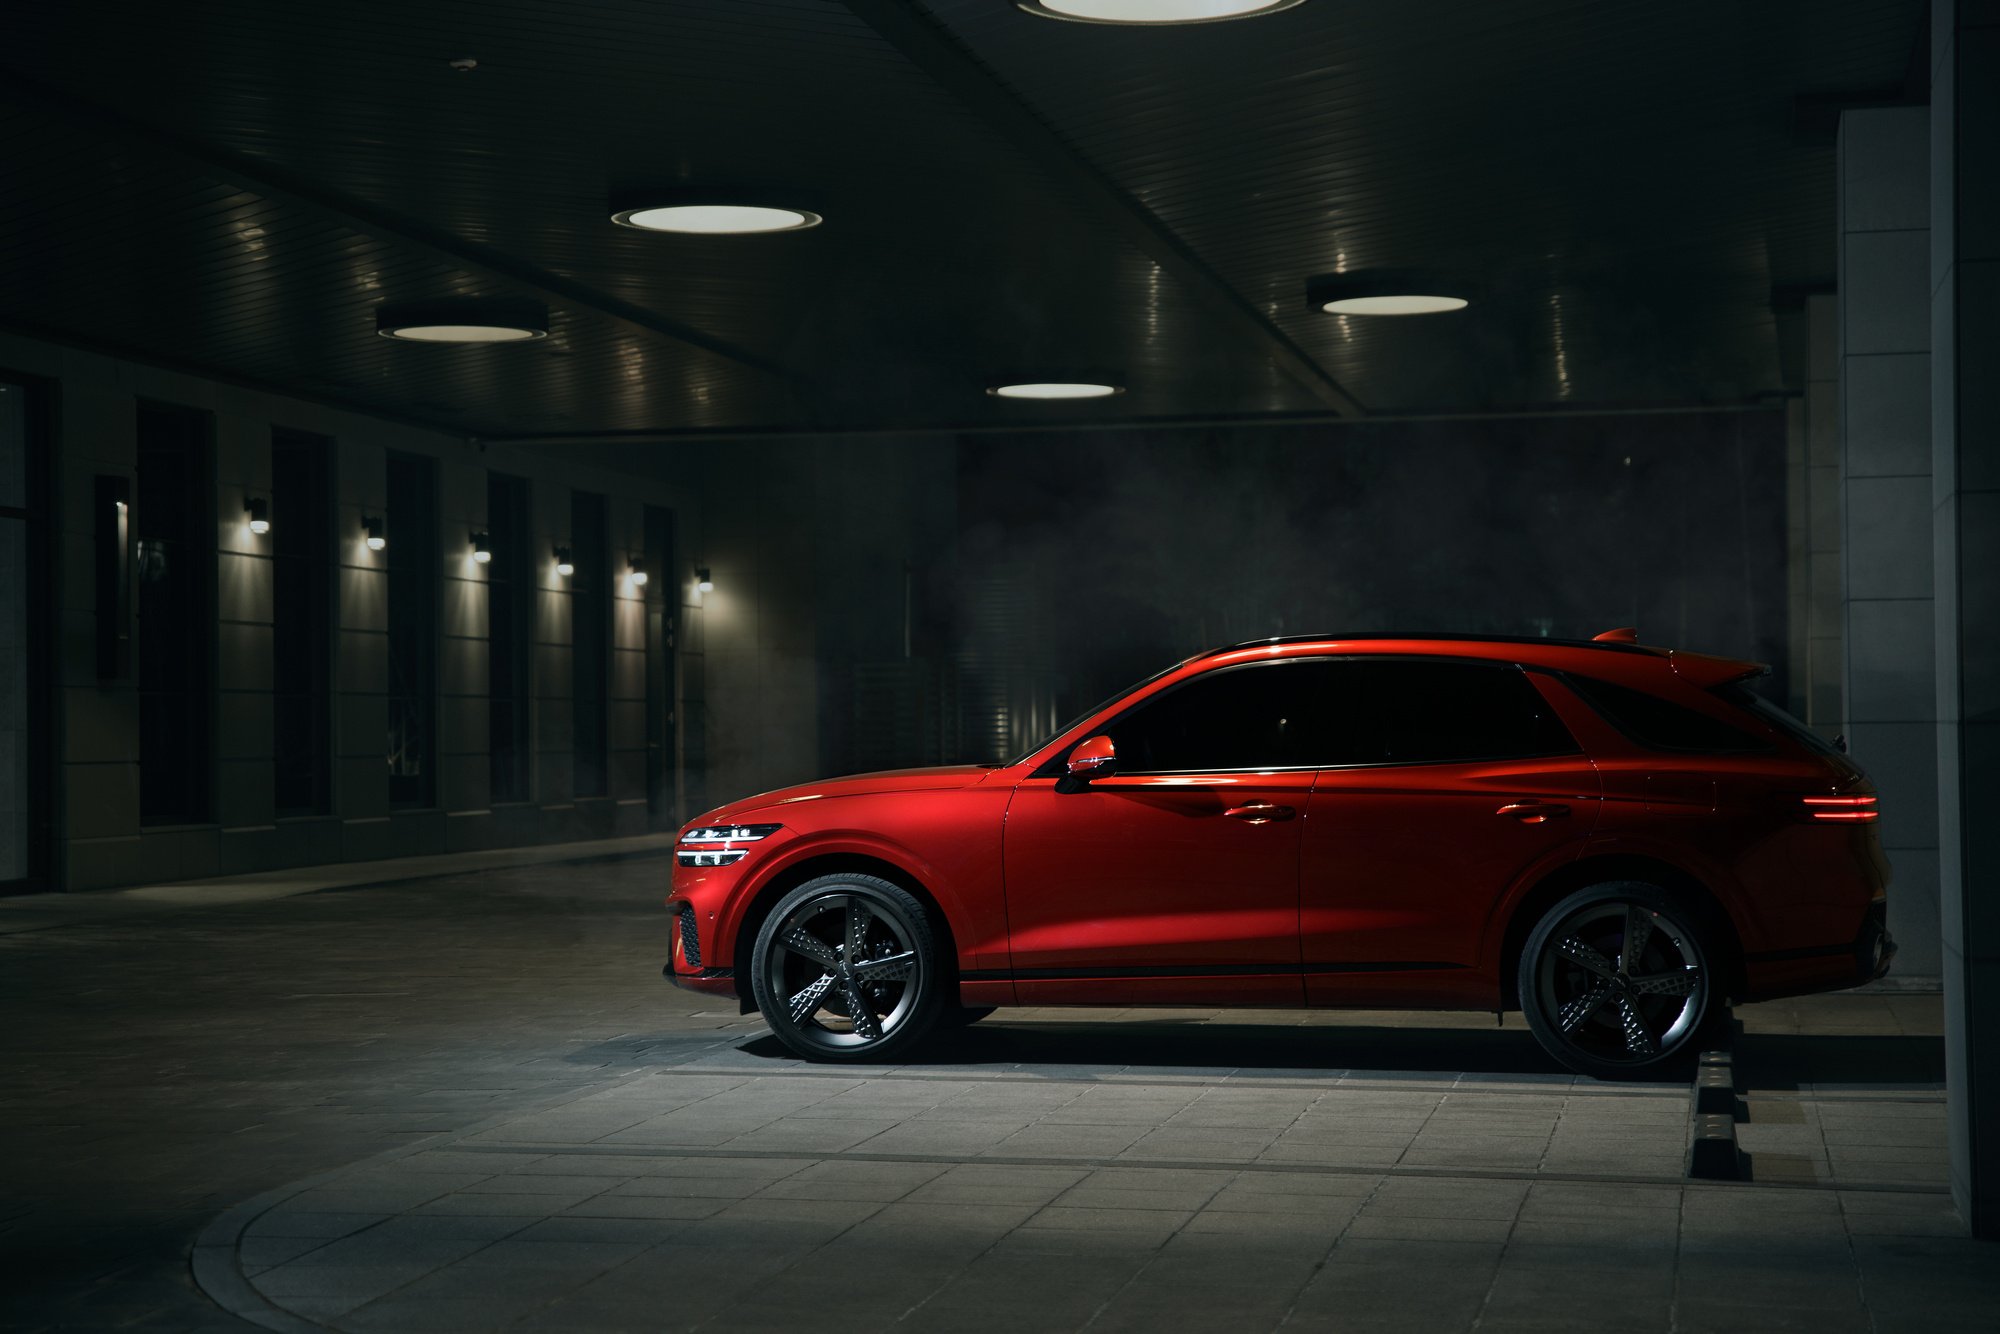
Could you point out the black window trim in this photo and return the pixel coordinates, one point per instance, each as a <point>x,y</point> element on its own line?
<point>1056,765</point>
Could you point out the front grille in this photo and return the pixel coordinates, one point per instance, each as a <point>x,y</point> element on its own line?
<point>690,937</point>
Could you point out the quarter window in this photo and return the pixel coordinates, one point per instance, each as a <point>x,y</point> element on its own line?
<point>1659,724</point>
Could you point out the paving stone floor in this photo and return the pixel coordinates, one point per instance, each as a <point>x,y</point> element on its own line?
<point>469,1102</point>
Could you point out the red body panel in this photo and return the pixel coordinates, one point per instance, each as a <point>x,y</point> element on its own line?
<point>1152,873</point>
<point>1377,884</point>
<point>1397,858</point>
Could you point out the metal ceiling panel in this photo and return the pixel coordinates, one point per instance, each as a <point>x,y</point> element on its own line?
<point>1617,179</point>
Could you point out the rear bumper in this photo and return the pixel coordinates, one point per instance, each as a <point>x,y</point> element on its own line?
<point>1831,967</point>
<point>1874,948</point>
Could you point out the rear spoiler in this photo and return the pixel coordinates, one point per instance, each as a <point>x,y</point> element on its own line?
<point>1699,669</point>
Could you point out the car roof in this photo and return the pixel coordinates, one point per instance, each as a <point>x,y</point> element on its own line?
<point>1432,636</point>
<point>1698,669</point>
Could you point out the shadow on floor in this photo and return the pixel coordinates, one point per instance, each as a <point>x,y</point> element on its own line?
<point>1171,1046</point>
<point>1795,1060</point>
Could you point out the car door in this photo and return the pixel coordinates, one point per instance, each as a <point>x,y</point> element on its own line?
<point>1175,879</point>
<point>1466,779</point>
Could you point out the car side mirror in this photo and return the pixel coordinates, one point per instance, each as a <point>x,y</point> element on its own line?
<point>1093,758</point>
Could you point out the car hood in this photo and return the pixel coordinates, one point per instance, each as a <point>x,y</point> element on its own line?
<point>853,785</point>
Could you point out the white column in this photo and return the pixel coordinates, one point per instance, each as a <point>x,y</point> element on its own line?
<point>1885,449</point>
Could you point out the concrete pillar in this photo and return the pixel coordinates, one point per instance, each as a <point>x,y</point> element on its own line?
<point>1885,451</point>
<point>1821,669</point>
<point>1965,366</point>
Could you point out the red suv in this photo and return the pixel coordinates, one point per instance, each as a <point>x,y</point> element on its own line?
<point>1615,839</point>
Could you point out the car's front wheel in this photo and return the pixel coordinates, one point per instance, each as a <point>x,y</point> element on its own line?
<point>1615,981</point>
<point>845,969</point>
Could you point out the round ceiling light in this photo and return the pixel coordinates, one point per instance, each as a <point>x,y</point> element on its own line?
<point>461,333</point>
<point>1382,292</point>
<point>1410,304</point>
<point>1055,389</point>
<point>463,321</point>
<point>709,218</point>
<point>1153,11</point>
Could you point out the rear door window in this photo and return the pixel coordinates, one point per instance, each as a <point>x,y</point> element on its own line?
<point>1438,711</point>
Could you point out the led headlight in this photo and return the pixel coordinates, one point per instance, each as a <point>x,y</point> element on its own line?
<point>713,845</point>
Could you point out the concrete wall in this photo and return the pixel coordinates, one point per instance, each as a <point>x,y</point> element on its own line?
<point>1819,674</point>
<point>1885,465</point>
<point>102,842</point>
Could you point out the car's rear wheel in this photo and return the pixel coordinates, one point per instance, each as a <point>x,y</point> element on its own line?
<point>1615,980</point>
<point>845,969</point>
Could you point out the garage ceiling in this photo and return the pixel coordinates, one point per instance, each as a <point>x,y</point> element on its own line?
<point>235,187</point>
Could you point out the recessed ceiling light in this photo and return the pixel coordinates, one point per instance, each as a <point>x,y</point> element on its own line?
<point>471,320</point>
<point>1048,389</point>
<point>461,333</point>
<point>1383,292</point>
<point>1393,305</point>
<point>715,219</point>
<point>1153,11</point>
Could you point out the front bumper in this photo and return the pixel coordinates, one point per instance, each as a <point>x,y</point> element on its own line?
<point>709,981</point>
<point>684,967</point>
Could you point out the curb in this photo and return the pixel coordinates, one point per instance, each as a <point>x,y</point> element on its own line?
<point>1713,1153</point>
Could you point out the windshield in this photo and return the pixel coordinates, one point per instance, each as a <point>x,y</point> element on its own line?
<point>1743,697</point>
<point>1098,708</point>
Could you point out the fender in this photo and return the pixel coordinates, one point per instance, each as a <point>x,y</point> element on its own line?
<point>1493,932</point>
<point>1719,883</point>
<point>980,944</point>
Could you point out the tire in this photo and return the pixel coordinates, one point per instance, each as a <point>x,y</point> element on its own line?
<point>1607,1010</point>
<point>826,1009</point>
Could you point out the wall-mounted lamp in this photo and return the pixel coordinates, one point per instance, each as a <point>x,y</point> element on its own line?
<point>482,547</point>
<point>258,511</point>
<point>372,532</point>
<point>113,543</point>
<point>564,565</point>
<point>638,574</point>
<point>704,582</point>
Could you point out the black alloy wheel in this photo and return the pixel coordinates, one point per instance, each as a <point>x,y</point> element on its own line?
<point>1615,981</point>
<point>845,969</point>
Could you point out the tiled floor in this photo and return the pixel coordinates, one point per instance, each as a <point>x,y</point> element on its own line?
<point>469,1103</point>
<point>1845,1089</point>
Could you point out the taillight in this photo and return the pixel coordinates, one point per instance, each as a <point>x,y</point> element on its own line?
<point>1842,810</point>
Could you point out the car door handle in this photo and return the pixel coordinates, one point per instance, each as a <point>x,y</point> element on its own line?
<point>1260,812</point>
<point>1533,812</point>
